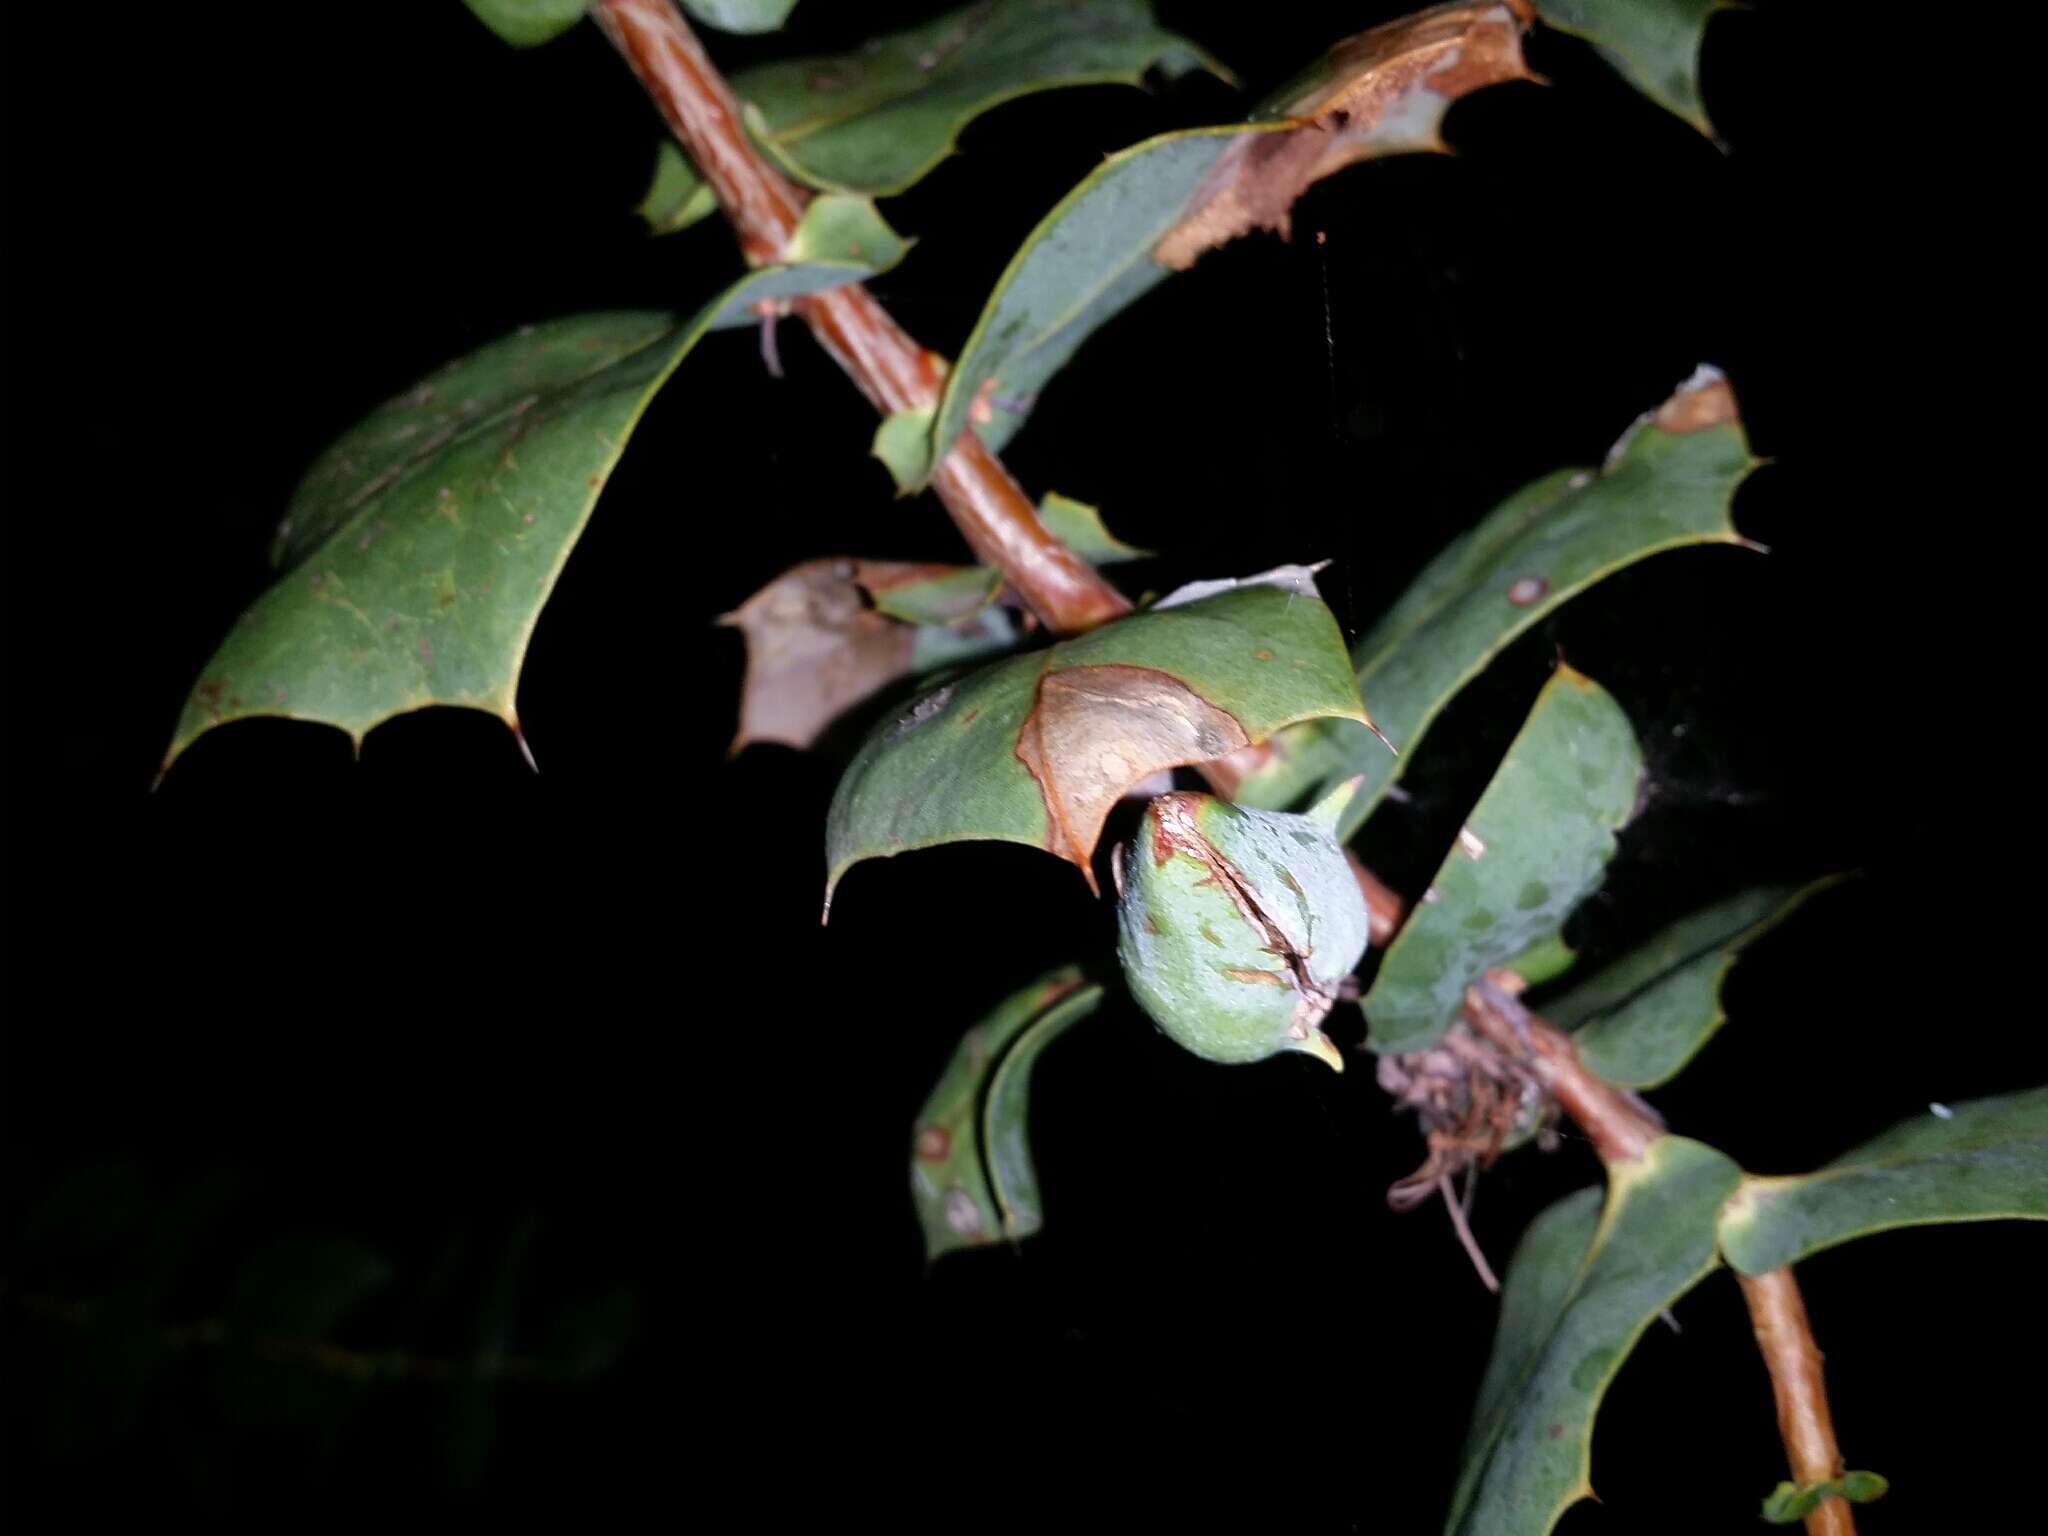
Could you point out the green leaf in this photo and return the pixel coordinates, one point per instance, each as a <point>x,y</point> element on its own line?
<point>1655,44</point>
<point>971,1177</point>
<point>1645,1016</point>
<point>1079,526</point>
<point>945,599</point>
<point>419,550</point>
<point>1533,848</point>
<point>677,197</point>
<point>528,23</point>
<point>1545,960</point>
<point>1583,1286</point>
<point>1152,209</point>
<point>1667,484</point>
<point>1006,1114</point>
<point>1984,1161</point>
<point>1036,749</point>
<point>741,15</point>
<point>879,119</point>
<point>1789,1504</point>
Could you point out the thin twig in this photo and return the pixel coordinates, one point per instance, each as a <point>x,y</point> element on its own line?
<point>893,371</point>
<point>1785,1337</point>
<point>1464,1231</point>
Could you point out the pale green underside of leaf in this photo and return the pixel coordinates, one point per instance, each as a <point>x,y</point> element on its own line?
<point>948,770</point>
<point>1584,1284</point>
<point>528,23</point>
<point>879,119</point>
<point>1987,1161</point>
<point>971,1177</point>
<point>1654,44</point>
<point>740,15</point>
<point>419,550</point>
<point>1547,543</point>
<point>1533,848</point>
<point>1643,1018</point>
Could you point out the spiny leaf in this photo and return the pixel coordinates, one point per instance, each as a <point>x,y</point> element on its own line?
<point>1037,749</point>
<point>970,1159</point>
<point>1667,484</point>
<point>418,552</point>
<point>1645,1016</point>
<point>528,23</point>
<point>1983,1161</point>
<point>1533,848</point>
<point>741,15</point>
<point>1151,209</point>
<point>879,119</point>
<point>1079,526</point>
<point>1655,44</point>
<point>1585,1283</point>
<point>829,633</point>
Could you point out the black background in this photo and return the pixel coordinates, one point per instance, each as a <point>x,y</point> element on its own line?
<point>577,1038</point>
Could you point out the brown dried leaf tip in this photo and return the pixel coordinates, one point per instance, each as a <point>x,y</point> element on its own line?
<point>1383,92</point>
<point>1093,732</point>
<point>816,647</point>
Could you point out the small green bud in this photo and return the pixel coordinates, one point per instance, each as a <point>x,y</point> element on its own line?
<point>1237,927</point>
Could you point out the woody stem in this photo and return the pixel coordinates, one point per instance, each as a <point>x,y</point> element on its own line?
<point>763,207</point>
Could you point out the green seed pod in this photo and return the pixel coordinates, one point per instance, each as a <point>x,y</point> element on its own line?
<point>1237,927</point>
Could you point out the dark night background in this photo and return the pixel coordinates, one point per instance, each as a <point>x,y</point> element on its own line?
<point>562,1068</point>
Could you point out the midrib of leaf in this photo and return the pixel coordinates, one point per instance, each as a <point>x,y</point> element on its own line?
<point>365,500</point>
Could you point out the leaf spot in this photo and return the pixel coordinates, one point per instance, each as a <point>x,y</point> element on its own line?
<point>962,1214</point>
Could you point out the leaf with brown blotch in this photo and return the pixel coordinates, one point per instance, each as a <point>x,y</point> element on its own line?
<point>1036,748</point>
<point>1150,210</point>
<point>1382,92</point>
<point>819,640</point>
<point>1096,731</point>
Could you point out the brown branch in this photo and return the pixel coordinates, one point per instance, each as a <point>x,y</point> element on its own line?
<point>1784,1336</point>
<point>893,371</point>
<point>1619,1130</point>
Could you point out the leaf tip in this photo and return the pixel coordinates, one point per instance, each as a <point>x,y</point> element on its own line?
<point>1328,812</point>
<point>1321,1047</point>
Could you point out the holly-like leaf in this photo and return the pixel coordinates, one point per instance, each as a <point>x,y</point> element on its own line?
<point>1984,1161</point>
<point>1533,848</point>
<point>1584,1284</point>
<point>829,633</point>
<point>1667,484</point>
<point>971,1177</point>
<point>417,553</point>
<point>1152,209</point>
<point>528,23</point>
<point>879,119</point>
<point>1655,44</point>
<point>1037,749</point>
<point>740,15</point>
<point>1644,1017</point>
<point>1079,526</point>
